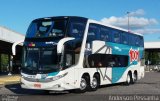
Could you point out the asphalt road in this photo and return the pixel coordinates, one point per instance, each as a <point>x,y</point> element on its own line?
<point>148,86</point>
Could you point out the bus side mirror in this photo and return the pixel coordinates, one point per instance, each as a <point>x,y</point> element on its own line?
<point>14,46</point>
<point>60,44</point>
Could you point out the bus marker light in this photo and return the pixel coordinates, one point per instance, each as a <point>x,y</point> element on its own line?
<point>32,45</point>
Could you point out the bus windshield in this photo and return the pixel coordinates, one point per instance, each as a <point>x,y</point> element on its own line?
<point>40,59</point>
<point>47,28</point>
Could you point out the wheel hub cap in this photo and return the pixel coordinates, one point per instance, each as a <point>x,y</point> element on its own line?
<point>94,83</point>
<point>83,84</point>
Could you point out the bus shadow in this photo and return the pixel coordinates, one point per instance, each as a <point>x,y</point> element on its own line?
<point>16,89</point>
<point>112,85</point>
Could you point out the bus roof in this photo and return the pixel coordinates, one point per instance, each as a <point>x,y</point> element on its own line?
<point>60,17</point>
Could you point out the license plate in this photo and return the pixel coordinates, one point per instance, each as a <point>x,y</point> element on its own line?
<point>37,85</point>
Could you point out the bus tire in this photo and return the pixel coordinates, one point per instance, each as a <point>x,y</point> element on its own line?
<point>95,83</point>
<point>84,84</point>
<point>128,79</point>
<point>135,77</point>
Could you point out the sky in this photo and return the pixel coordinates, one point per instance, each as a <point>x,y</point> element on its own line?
<point>143,14</point>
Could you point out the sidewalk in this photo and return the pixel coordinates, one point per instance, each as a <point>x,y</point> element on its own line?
<point>4,80</point>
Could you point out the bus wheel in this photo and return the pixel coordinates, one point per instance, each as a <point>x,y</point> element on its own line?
<point>84,83</point>
<point>94,83</point>
<point>128,80</point>
<point>135,77</point>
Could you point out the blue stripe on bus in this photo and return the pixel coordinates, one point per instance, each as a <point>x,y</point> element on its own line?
<point>53,74</point>
<point>118,49</point>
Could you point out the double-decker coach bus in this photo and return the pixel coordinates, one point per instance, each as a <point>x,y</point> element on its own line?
<point>65,53</point>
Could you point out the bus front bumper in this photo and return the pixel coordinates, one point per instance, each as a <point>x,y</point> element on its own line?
<point>57,85</point>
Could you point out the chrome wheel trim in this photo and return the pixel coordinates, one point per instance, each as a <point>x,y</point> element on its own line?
<point>94,83</point>
<point>134,77</point>
<point>83,84</point>
<point>128,79</point>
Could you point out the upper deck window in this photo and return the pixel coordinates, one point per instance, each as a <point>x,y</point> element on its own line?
<point>105,34</point>
<point>93,32</point>
<point>77,30</point>
<point>47,28</point>
<point>76,27</point>
<point>116,36</point>
<point>124,38</point>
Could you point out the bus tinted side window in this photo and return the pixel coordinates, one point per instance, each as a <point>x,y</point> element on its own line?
<point>76,28</point>
<point>141,41</point>
<point>131,39</point>
<point>116,37</point>
<point>124,38</point>
<point>107,60</point>
<point>93,33</point>
<point>137,40</point>
<point>105,34</point>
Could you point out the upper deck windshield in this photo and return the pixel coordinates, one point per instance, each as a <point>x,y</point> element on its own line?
<point>57,28</point>
<point>47,28</point>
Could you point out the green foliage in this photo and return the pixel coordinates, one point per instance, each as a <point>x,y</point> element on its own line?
<point>4,62</point>
<point>153,56</point>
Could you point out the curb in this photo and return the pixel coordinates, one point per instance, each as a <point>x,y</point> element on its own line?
<point>8,83</point>
<point>6,80</point>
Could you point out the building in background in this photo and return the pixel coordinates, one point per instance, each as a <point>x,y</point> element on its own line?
<point>152,52</point>
<point>7,38</point>
<point>152,55</point>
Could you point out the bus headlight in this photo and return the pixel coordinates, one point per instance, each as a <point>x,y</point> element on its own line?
<point>59,76</point>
